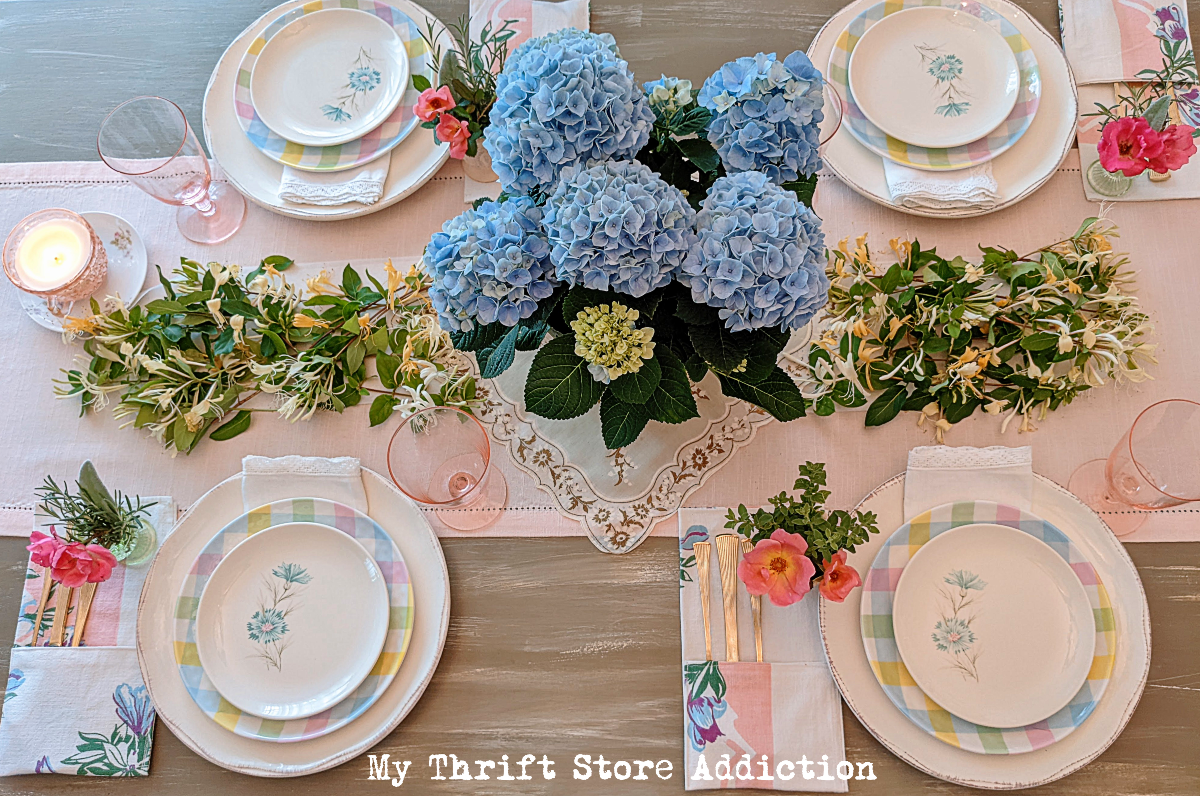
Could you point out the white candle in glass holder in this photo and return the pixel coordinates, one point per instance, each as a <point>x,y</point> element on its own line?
<point>53,253</point>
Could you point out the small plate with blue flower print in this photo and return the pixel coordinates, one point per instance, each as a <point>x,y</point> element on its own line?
<point>994,625</point>
<point>934,76</point>
<point>329,77</point>
<point>292,620</point>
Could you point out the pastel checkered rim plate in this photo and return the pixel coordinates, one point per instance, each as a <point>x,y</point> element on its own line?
<point>395,574</point>
<point>933,159</point>
<point>879,588</point>
<point>379,141</point>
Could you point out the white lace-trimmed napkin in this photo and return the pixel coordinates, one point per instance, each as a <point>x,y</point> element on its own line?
<point>786,708</point>
<point>973,187</point>
<point>533,18</point>
<point>266,480</point>
<point>939,474</point>
<point>363,184</point>
<point>82,710</point>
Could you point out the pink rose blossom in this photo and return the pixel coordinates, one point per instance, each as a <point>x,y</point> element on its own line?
<point>76,564</point>
<point>1128,144</point>
<point>778,567</point>
<point>433,102</point>
<point>1178,148</point>
<point>456,133</point>
<point>42,547</point>
<point>839,579</point>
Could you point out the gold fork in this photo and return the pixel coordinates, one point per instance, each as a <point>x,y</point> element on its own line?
<point>41,607</point>
<point>62,606</point>
<point>81,614</point>
<point>727,558</point>
<point>755,608</point>
<point>703,551</point>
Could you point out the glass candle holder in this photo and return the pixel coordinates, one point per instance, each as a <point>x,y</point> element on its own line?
<point>56,255</point>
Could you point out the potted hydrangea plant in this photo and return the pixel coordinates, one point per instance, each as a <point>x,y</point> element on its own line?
<point>646,234</point>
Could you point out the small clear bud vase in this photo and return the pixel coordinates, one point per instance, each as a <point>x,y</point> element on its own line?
<point>1108,183</point>
<point>140,547</point>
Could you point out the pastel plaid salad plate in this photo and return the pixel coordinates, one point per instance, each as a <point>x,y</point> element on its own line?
<point>354,153</point>
<point>879,642</point>
<point>979,151</point>
<point>391,564</point>
<point>993,625</point>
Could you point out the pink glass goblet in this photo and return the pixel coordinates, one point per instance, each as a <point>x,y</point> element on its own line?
<point>441,456</point>
<point>1156,465</point>
<point>149,140</point>
<point>56,255</point>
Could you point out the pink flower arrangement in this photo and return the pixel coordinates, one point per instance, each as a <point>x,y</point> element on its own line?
<point>71,563</point>
<point>455,132</point>
<point>839,579</point>
<point>778,567</point>
<point>433,103</point>
<point>1130,145</point>
<point>434,107</point>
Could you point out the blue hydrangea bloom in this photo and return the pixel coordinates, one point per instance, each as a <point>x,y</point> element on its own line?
<point>766,115</point>
<point>618,226</point>
<point>563,99</point>
<point>489,264</point>
<point>761,255</point>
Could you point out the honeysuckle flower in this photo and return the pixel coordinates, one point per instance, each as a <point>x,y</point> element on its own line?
<point>608,340</point>
<point>760,256</point>
<point>214,308</point>
<point>778,567</point>
<point>126,349</point>
<point>364,324</point>
<point>839,578</point>
<point>394,280</point>
<point>303,321</point>
<point>489,264</point>
<point>618,226</point>
<point>322,285</point>
<point>237,323</point>
<point>974,273</point>
<point>766,115</point>
<point>1065,343</point>
<point>564,99</point>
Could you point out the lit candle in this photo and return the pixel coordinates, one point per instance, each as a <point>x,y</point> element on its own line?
<point>53,253</point>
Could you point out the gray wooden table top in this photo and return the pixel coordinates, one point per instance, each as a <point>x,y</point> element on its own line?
<point>553,648</point>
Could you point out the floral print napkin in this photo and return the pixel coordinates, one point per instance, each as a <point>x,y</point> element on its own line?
<point>786,709</point>
<point>103,724</point>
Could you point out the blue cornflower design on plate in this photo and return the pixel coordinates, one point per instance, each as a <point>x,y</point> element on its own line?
<point>946,67</point>
<point>947,70</point>
<point>291,573</point>
<point>267,626</point>
<point>365,79</point>
<point>334,113</point>
<point>953,635</point>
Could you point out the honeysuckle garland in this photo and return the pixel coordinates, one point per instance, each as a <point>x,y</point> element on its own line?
<point>183,364</point>
<point>1016,335</point>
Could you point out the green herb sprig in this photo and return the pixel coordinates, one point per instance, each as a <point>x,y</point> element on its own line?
<point>92,515</point>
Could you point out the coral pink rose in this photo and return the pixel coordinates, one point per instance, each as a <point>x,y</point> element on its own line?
<point>1178,148</point>
<point>433,102</point>
<point>839,579</point>
<point>456,133</point>
<point>1128,145</point>
<point>42,547</point>
<point>779,568</point>
<point>76,564</point>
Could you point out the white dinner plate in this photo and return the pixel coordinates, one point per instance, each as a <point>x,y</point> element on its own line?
<point>221,505</point>
<point>1019,171</point>
<point>329,77</point>
<point>994,625</point>
<point>934,76</point>
<point>841,632</point>
<point>416,159</point>
<point>292,620</point>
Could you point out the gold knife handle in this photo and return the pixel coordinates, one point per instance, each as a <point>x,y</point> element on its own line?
<point>755,609</point>
<point>62,606</point>
<point>727,558</point>
<point>81,615</point>
<point>703,551</point>
<point>47,581</point>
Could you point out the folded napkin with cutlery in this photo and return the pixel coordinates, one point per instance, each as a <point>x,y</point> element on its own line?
<point>1108,43</point>
<point>363,184</point>
<point>83,709</point>
<point>736,710</point>
<point>531,18</point>
<point>973,187</point>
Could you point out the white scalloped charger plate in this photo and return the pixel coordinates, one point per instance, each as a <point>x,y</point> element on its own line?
<point>841,632</point>
<point>1019,172</point>
<point>156,616</point>
<point>416,159</point>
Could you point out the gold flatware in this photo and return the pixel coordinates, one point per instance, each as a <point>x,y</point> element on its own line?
<point>703,551</point>
<point>727,558</point>
<point>86,593</point>
<point>41,607</point>
<point>755,608</point>
<point>62,606</point>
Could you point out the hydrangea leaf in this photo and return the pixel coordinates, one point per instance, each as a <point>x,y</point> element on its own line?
<point>777,393</point>
<point>621,422</point>
<point>559,385</point>
<point>580,298</point>
<point>672,401</point>
<point>723,350</point>
<point>482,336</point>
<point>496,359</point>
<point>636,388</point>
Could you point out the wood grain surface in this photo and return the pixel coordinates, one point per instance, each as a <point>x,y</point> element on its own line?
<point>553,648</point>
